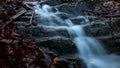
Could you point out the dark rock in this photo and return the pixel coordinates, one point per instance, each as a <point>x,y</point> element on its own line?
<point>97,30</point>
<point>116,24</point>
<point>70,62</point>
<point>39,32</point>
<point>64,15</point>
<point>82,6</point>
<point>78,20</point>
<point>62,63</point>
<point>60,45</point>
<point>1,8</point>
<point>72,9</point>
<point>67,9</point>
<point>68,1</point>
<point>111,45</point>
<point>50,53</point>
<point>51,2</point>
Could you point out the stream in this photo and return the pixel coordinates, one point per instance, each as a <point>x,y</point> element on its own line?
<point>89,49</point>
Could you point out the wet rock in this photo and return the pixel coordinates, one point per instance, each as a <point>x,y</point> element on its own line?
<point>39,32</point>
<point>81,6</point>
<point>111,45</point>
<point>70,62</point>
<point>116,24</point>
<point>52,54</point>
<point>72,9</point>
<point>78,21</point>
<point>62,63</point>
<point>64,15</point>
<point>67,9</point>
<point>60,45</point>
<point>64,7</point>
<point>1,8</point>
<point>97,30</point>
<point>92,18</point>
<point>51,2</point>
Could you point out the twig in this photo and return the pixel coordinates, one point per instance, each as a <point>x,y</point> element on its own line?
<point>31,19</point>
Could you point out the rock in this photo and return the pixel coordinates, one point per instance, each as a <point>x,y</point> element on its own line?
<point>70,62</point>
<point>50,53</point>
<point>67,9</point>
<point>62,63</point>
<point>92,18</point>
<point>39,32</point>
<point>116,24</point>
<point>97,30</point>
<point>79,20</point>
<point>64,15</point>
<point>56,40</point>
<point>51,2</point>
<point>111,45</point>
<point>82,6</point>
<point>1,8</point>
<point>60,45</point>
<point>68,1</point>
<point>72,9</point>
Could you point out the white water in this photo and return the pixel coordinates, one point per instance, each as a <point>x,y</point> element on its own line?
<point>89,49</point>
<point>48,16</point>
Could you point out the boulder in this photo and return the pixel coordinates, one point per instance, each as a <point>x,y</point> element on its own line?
<point>60,45</point>
<point>80,20</point>
<point>81,6</point>
<point>39,32</point>
<point>67,9</point>
<point>51,2</point>
<point>70,62</point>
<point>97,30</point>
<point>64,15</point>
<point>62,63</point>
<point>111,44</point>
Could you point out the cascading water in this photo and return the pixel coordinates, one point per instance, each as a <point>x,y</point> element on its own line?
<point>47,15</point>
<point>89,49</point>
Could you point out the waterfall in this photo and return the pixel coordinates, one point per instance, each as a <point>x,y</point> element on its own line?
<point>89,49</point>
<point>47,15</point>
